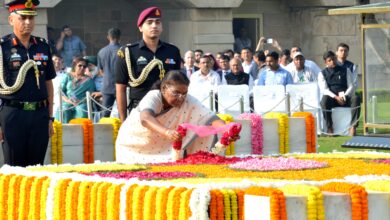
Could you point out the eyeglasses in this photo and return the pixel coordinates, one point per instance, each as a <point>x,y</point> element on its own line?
<point>176,94</point>
<point>81,65</point>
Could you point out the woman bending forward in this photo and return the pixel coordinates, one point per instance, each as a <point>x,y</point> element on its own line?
<point>147,134</point>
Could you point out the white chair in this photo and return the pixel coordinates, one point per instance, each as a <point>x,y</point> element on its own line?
<point>269,98</point>
<point>203,95</point>
<point>229,99</point>
<point>341,117</point>
<point>309,92</point>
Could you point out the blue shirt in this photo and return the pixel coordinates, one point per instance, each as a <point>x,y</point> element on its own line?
<point>106,59</point>
<point>98,80</point>
<point>278,77</point>
<point>73,47</point>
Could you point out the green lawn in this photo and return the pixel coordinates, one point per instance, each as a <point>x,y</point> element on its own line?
<point>329,144</point>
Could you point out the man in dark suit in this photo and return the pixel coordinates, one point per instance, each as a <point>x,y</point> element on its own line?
<point>189,60</point>
<point>225,68</point>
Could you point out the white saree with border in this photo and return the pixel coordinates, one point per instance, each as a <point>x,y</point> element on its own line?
<point>138,144</point>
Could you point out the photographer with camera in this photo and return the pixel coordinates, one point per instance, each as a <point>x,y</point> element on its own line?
<point>266,43</point>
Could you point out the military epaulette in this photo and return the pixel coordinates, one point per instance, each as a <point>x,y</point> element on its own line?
<point>4,39</point>
<point>40,39</point>
<point>120,52</point>
<point>132,45</point>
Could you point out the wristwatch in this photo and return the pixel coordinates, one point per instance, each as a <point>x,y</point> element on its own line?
<point>51,119</point>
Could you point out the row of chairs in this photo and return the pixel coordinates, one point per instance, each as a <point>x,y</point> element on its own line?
<point>235,99</point>
<point>265,98</point>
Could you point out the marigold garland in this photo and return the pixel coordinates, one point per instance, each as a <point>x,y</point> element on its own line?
<point>277,201</point>
<point>284,146</point>
<point>184,210</point>
<point>57,144</point>
<point>213,204</point>
<point>59,198</point>
<point>240,203</point>
<point>149,203</point>
<point>35,198</point>
<point>129,201</point>
<point>84,200</point>
<point>226,204</point>
<point>173,203</point>
<point>4,188</point>
<point>220,205</point>
<point>24,196</point>
<point>256,131</point>
<point>113,201</point>
<point>44,192</point>
<point>71,200</point>
<point>310,130</point>
<point>94,198</point>
<point>116,124</point>
<point>234,204</point>
<point>358,195</point>
<point>377,185</point>
<point>161,202</point>
<point>101,204</point>
<point>138,201</point>
<point>13,196</point>
<point>315,200</point>
<point>227,118</point>
<point>87,137</point>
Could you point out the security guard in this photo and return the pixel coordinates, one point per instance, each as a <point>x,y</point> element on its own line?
<point>143,63</point>
<point>26,89</point>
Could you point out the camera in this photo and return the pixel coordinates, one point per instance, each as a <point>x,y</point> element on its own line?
<point>270,41</point>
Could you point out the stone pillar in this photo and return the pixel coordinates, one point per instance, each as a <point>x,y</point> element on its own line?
<point>212,29</point>
<point>205,25</point>
<point>40,20</point>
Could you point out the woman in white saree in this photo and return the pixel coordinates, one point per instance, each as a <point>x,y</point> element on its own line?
<point>147,134</point>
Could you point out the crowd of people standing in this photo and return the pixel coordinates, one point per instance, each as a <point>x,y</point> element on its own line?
<point>261,67</point>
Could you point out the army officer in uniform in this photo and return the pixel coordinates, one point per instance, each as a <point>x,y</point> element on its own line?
<point>143,63</point>
<point>26,89</point>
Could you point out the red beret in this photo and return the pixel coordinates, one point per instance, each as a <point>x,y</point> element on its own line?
<point>152,12</point>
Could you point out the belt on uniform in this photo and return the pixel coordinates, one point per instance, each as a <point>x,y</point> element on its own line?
<point>27,106</point>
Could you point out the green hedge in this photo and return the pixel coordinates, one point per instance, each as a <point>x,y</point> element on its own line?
<point>383,95</point>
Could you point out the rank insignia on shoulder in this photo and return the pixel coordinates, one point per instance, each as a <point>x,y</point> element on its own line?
<point>120,54</point>
<point>42,39</point>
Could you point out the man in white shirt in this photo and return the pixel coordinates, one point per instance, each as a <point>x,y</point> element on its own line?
<point>205,76</point>
<point>249,66</point>
<point>342,55</point>
<point>302,73</point>
<point>309,63</point>
<point>335,82</point>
